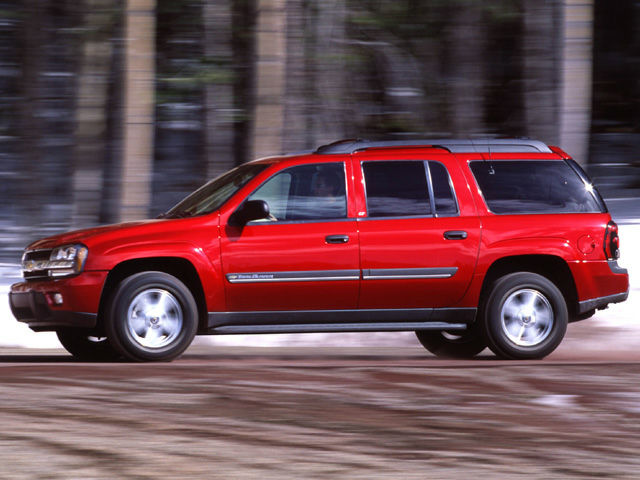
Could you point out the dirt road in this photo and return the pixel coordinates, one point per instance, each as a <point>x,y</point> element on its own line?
<point>360,413</point>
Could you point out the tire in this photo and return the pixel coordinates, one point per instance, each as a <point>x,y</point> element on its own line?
<point>524,317</point>
<point>87,347</point>
<point>465,344</point>
<point>151,317</point>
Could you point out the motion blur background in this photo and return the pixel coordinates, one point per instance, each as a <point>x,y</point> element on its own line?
<point>113,110</point>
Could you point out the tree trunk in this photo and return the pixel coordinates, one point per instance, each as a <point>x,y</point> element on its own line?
<point>218,92</point>
<point>577,69</point>
<point>270,78</point>
<point>243,20</point>
<point>91,112</point>
<point>139,109</point>
<point>31,125</point>
<point>466,77</point>
<point>542,41</point>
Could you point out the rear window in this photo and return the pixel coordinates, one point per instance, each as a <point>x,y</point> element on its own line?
<point>520,187</point>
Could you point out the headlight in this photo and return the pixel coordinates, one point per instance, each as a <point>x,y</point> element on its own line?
<point>59,262</point>
<point>67,260</point>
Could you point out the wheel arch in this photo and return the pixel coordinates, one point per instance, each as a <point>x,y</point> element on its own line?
<point>551,267</point>
<point>178,267</point>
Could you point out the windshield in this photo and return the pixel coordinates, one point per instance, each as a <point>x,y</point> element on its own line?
<point>214,194</point>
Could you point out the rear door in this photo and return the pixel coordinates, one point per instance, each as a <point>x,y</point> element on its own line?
<point>419,236</point>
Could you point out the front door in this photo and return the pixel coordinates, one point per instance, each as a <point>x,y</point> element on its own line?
<point>305,256</point>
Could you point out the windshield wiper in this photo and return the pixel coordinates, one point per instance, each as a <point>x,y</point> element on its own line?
<point>177,214</point>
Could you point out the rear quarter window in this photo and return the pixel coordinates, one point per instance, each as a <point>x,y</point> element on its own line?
<point>534,187</point>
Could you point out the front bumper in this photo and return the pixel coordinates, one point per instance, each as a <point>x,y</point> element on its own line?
<point>33,309</point>
<point>33,302</point>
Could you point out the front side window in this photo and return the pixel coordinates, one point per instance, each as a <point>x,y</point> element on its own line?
<point>528,186</point>
<point>305,193</point>
<point>408,188</point>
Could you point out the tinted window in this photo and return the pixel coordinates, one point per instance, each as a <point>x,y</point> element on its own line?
<point>511,187</point>
<point>307,192</point>
<point>443,195</point>
<point>396,189</point>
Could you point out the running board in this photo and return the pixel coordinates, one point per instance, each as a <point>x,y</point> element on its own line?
<point>336,328</point>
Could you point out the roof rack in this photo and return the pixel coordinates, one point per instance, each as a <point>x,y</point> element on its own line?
<point>492,145</point>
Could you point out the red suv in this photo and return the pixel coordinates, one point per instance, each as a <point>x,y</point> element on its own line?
<point>471,244</point>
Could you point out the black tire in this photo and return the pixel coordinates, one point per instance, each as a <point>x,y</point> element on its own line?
<point>86,347</point>
<point>151,317</point>
<point>465,344</point>
<point>524,317</point>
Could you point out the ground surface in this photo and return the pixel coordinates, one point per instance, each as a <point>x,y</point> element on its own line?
<point>324,413</point>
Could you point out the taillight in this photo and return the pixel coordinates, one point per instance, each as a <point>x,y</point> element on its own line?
<point>612,242</point>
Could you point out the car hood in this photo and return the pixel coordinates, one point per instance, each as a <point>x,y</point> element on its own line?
<point>88,235</point>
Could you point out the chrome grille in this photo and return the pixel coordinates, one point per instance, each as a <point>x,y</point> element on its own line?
<point>33,264</point>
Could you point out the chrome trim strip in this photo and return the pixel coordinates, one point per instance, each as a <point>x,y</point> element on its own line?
<point>304,276</point>
<point>343,275</point>
<point>408,273</point>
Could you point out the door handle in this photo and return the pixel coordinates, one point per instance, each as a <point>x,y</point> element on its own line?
<point>455,235</point>
<point>337,239</point>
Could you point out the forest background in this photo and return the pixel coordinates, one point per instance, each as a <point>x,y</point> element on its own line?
<point>113,110</point>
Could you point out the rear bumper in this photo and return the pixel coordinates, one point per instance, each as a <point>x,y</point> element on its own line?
<point>602,302</point>
<point>599,283</point>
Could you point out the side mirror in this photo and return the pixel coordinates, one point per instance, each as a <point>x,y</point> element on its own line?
<point>251,210</point>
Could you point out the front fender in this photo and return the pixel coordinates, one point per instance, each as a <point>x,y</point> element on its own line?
<point>206,264</point>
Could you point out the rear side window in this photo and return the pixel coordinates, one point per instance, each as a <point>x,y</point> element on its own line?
<point>521,187</point>
<point>408,188</point>
<point>443,196</point>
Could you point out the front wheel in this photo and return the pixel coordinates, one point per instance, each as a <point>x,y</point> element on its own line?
<point>465,344</point>
<point>525,316</point>
<point>152,316</point>
<point>87,347</point>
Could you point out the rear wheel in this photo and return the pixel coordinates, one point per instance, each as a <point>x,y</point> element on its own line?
<point>87,347</point>
<point>152,316</point>
<point>464,344</point>
<point>525,316</point>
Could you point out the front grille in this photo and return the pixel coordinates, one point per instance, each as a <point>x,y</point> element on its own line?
<point>30,264</point>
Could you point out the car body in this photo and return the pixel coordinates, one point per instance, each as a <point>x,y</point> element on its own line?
<point>496,243</point>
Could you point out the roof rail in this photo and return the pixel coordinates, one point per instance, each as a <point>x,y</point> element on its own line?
<point>493,145</point>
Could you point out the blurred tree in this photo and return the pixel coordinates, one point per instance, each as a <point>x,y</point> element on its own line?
<point>542,41</point>
<point>299,124</point>
<point>576,68</point>
<point>270,79</point>
<point>91,109</point>
<point>31,119</point>
<point>138,109</point>
<point>75,138</point>
<point>218,87</point>
<point>466,77</point>
<point>243,49</point>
